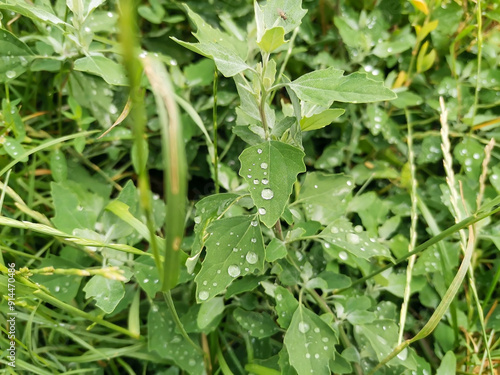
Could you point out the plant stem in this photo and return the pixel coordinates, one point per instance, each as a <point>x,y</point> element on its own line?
<point>216,157</point>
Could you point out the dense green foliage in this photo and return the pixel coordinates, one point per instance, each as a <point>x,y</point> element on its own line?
<point>230,187</point>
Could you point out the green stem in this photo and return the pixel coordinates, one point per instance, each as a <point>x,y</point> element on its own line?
<point>479,18</point>
<point>170,302</point>
<point>216,158</point>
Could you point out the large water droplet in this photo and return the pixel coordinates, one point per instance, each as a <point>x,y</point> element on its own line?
<point>343,255</point>
<point>265,181</point>
<point>233,270</point>
<point>259,151</point>
<point>267,194</point>
<point>203,295</point>
<point>12,74</point>
<point>262,211</point>
<point>303,327</point>
<point>353,238</point>
<point>254,223</point>
<point>251,257</point>
<point>263,165</point>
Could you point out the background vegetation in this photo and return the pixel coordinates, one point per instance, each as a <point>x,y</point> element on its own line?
<point>373,250</point>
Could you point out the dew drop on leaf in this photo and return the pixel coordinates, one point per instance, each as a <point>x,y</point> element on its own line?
<point>203,295</point>
<point>353,238</point>
<point>265,181</point>
<point>259,151</point>
<point>10,74</point>
<point>267,194</point>
<point>256,182</point>
<point>262,211</point>
<point>303,327</point>
<point>263,165</point>
<point>252,258</point>
<point>233,271</point>
<point>343,255</point>
<point>254,223</point>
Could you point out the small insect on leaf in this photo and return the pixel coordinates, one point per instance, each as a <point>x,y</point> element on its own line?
<point>282,15</point>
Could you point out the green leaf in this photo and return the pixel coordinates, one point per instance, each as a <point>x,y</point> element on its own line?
<point>147,275</point>
<point>58,165</point>
<point>272,39</point>
<point>341,236</point>
<point>324,196</point>
<point>470,155</point>
<point>36,13</point>
<point>70,213</point>
<point>107,293</point>
<point>257,324</point>
<point>310,343</point>
<point>64,287</point>
<point>286,304</point>
<point>320,120</point>
<point>400,42</point>
<point>323,87</point>
<point>13,148</point>
<point>164,339</point>
<point>234,248</point>
<point>270,170</point>
<point>275,250</point>
<point>448,365</point>
<point>227,51</point>
<point>12,119</point>
<point>112,72</point>
<point>209,311</point>
<point>285,13</point>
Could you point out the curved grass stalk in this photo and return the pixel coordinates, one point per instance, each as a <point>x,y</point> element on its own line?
<point>413,230</point>
<point>442,307</point>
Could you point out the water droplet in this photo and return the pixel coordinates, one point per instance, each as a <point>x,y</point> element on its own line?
<point>349,182</point>
<point>256,182</point>
<point>265,181</point>
<point>57,288</point>
<point>110,15</point>
<point>279,297</point>
<point>254,223</point>
<point>334,229</point>
<point>263,165</point>
<point>262,211</point>
<point>233,271</point>
<point>10,74</point>
<point>308,355</point>
<point>325,339</point>
<point>316,356</point>
<point>353,238</point>
<point>145,281</point>
<point>197,219</point>
<point>267,194</point>
<point>358,228</point>
<point>343,255</point>
<point>259,151</point>
<point>303,327</point>
<point>203,295</point>
<point>235,249</point>
<point>252,258</point>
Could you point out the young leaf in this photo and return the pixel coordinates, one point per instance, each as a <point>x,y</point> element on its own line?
<point>272,39</point>
<point>209,311</point>
<point>285,305</point>
<point>235,248</point>
<point>320,120</point>
<point>310,343</point>
<point>271,169</point>
<point>322,87</point>
<point>107,293</point>
<point>35,13</point>
<point>112,72</point>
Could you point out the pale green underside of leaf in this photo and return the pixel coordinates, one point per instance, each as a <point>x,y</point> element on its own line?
<point>276,10</point>
<point>320,120</point>
<point>323,87</point>
<point>226,60</point>
<point>234,248</point>
<point>270,169</point>
<point>272,39</point>
<point>35,13</point>
<point>112,72</point>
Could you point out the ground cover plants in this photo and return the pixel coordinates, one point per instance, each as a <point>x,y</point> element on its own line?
<point>239,187</point>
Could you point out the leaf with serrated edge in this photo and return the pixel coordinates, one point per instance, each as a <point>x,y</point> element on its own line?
<point>310,343</point>
<point>323,87</point>
<point>285,13</point>
<point>270,170</point>
<point>234,248</point>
